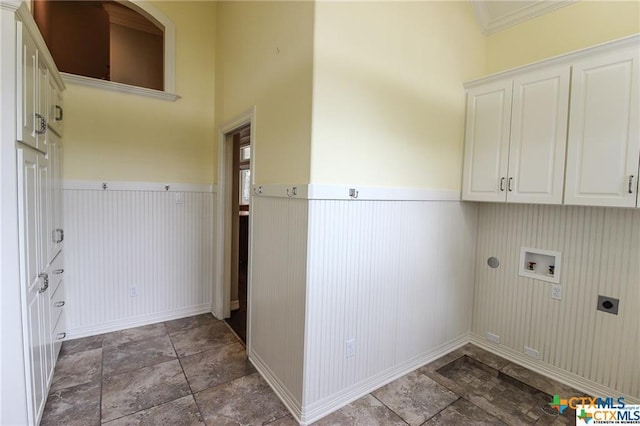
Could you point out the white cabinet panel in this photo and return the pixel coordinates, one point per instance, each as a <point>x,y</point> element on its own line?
<point>55,234</point>
<point>33,92</point>
<point>604,142</point>
<point>36,356</point>
<point>35,333</point>
<point>42,97</point>
<point>28,211</point>
<point>538,136</point>
<point>27,70</point>
<point>55,111</point>
<point>516,138</point>
<point>44,212</point>
<point>487,142</point>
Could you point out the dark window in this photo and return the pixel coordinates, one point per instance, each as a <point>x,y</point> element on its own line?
<point>104,40</point>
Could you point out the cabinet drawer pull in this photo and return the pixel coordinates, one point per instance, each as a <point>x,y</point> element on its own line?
<point>61,336</point>
<point>58,271</point>
<point>501,184</point>
<point>59,113</point>
<point>43,125</point>
<point>510,182</point>
<point>45,278</point>
<point>59,304</point>
<point>60,235</point>
<point>630,184</point>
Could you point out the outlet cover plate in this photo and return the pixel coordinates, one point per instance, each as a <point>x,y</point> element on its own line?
<point>608,304</point>
<point>531,352</point>
<point>350,348</point>
<point>493,338</point>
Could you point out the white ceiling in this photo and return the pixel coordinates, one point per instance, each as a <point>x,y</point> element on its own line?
<point>497,15</point>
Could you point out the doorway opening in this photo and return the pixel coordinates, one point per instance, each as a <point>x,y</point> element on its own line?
<point>239,210</point>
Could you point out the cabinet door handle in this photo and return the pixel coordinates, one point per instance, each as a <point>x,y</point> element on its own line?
<point>45,278</point>
<point>43,125</point>
<point>61,336</point>
<point>58,271</point>
<point>60,236</point>
<point>501,184</point>
<point>59,113</point>
<point>630,184</point>
<point>59,304</point>
<point>510,182</point>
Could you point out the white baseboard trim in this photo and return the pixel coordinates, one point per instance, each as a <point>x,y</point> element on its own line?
<point>322,408</point>
<point>235,304</point>
<point>95,185</point>
<point>289,401</point>
<point>107,327</point>
<point>335,402</point>
<point>589,387</point>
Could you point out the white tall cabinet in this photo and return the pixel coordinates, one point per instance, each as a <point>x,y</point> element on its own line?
<point>32,267</point>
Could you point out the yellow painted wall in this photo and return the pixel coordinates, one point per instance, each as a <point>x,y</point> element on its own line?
<point>115,136</point>
<point>264,58</point>
<point>579,25</point>
<point>388,100</point>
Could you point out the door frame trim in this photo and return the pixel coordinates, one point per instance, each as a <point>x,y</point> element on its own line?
<point>221,306</point>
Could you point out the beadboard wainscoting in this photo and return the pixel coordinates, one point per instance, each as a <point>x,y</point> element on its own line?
<point>393,277</point>
<point>396,277</point>
<point>593,351</point>
<point>277,294</point>
<point>136,255</point>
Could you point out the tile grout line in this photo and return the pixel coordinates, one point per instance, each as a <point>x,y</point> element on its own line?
<point>193,396</point>
<point>179,358</point>
<point>388,408</point>
<point>444,408</point>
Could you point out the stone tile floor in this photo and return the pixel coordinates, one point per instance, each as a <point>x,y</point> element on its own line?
<point>194,371</point>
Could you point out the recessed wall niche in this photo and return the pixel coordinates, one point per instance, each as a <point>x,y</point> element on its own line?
<point>540,264</point>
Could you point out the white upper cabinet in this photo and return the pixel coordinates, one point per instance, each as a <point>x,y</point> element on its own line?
<point>564,130</point>
<point>538,136</point>
<point>27,96</point>
<point>604,141</point>
<point>516,138</point>
<point>32,99</point>
<point>486,155</point>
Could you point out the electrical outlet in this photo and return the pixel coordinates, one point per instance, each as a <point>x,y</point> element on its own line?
<point>556,292</point>
<point>350,348</point>
<point>493,337</point>
<point>133,291</point>
<point>531,352</point>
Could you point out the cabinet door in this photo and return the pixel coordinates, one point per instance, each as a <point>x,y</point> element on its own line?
<point>604,142</point>
<point>55,192</point>
<point>27,73</point>
<point>55,108</point>
<point>487,142</point>
<point>42,105</point>
<point>538,136</point>
<point>45,231</point>
<point>32,284</point>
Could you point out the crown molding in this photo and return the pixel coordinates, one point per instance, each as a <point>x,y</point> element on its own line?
<point>492,24</point>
